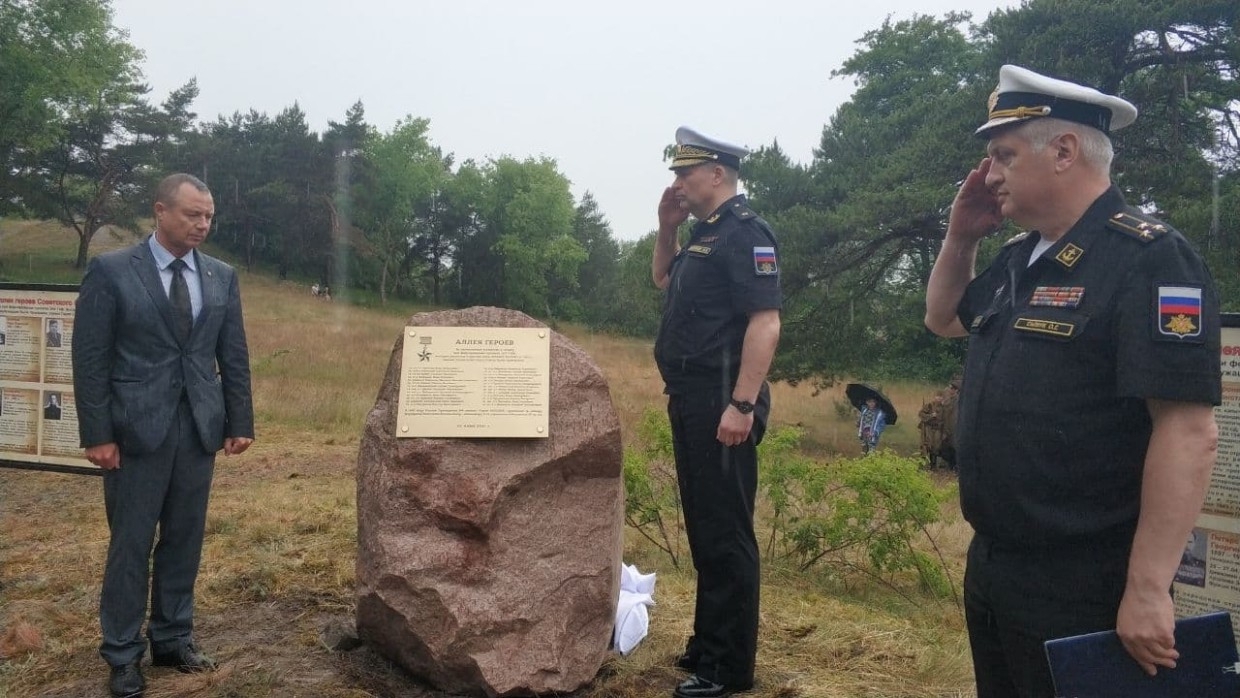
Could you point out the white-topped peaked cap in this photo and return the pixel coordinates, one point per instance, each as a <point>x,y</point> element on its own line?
<point>1023,94</point>
<point>692,148</point>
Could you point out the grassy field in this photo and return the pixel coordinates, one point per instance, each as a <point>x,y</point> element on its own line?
<point>279,556</point>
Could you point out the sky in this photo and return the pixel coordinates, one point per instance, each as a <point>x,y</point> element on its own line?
<point>600,87</point>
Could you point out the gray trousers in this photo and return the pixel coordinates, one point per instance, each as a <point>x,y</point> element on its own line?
<point>167,489</point>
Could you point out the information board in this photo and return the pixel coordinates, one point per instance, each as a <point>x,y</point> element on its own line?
<point>38,415</point>
<point>1208,578</point>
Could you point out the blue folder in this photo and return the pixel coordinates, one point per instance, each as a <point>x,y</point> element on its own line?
<point>1097,665</point>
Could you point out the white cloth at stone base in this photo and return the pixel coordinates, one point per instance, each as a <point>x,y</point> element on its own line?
<point>632,619</point>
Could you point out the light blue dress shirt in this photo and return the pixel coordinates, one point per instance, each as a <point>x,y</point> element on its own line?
<point>163,258</point>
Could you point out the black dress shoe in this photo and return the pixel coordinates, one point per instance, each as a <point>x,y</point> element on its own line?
<point>185,658</point>
<point>126,681</point>
<point>697,687</point>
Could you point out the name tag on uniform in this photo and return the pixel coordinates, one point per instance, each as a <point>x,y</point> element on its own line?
<point>1051,327</point>
<point>700,249</point>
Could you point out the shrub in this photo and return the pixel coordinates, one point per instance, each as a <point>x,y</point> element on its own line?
<point>864,517</point>
<point>861,515</point>
<point>652,497</point>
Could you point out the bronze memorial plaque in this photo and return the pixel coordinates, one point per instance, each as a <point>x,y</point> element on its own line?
<point>475,382</point>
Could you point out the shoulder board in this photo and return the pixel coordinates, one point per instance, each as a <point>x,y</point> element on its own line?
<point>1138,225</point>
<point>1016,238</point>
<point>742,211</point>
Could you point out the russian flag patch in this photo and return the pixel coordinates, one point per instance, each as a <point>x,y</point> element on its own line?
<point>764,263</point>
<point>1179,311</point>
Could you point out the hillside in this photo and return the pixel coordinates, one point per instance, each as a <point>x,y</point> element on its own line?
<point>278,562</point>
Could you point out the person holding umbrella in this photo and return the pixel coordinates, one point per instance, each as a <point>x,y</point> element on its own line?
<point>870,424</point>
<point>876,413</point>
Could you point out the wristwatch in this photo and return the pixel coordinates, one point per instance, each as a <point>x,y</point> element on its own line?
<point>742,406</point>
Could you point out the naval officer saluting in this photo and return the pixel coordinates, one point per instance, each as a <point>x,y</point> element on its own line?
<point>1085,433</point>
<point>717,336</point>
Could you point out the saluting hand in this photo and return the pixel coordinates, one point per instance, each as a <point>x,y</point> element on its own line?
<point>671,213</point>
<point>975,211</point>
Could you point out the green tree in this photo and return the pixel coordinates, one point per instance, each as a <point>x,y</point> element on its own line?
<point>57,58</point>
<point>394,208</point>
<point>523,243</point>
<point>346,171</point>
<point>596,278</point>
<point>229,155</point>
<point>636,304</point>
<point>1179,62</point>
<point>101,169</point>
<point>859,228</point>
<point>459,223</point>
<point>269,177</point>
<point>79,142</point>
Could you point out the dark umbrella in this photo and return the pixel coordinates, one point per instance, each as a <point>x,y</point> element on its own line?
<point>858,393</point>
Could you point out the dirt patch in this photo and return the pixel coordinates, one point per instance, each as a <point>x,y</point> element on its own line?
<point>269,649</point>
<point>51,559</point>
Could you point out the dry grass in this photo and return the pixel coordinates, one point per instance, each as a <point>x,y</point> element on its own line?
<point>279,556</point>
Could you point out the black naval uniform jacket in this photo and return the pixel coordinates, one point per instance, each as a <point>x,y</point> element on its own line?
<point>725,271</point>
<point>1053,426</point>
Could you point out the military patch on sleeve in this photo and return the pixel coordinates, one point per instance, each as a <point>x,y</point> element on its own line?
<point>764,263</point>
<point>1179,312</point>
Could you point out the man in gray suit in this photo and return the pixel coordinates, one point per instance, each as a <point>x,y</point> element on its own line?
<point>162,382</point>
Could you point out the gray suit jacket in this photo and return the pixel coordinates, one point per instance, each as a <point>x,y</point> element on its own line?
<point>129,368</point>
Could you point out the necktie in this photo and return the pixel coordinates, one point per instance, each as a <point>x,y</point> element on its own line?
<point>182,312</point>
